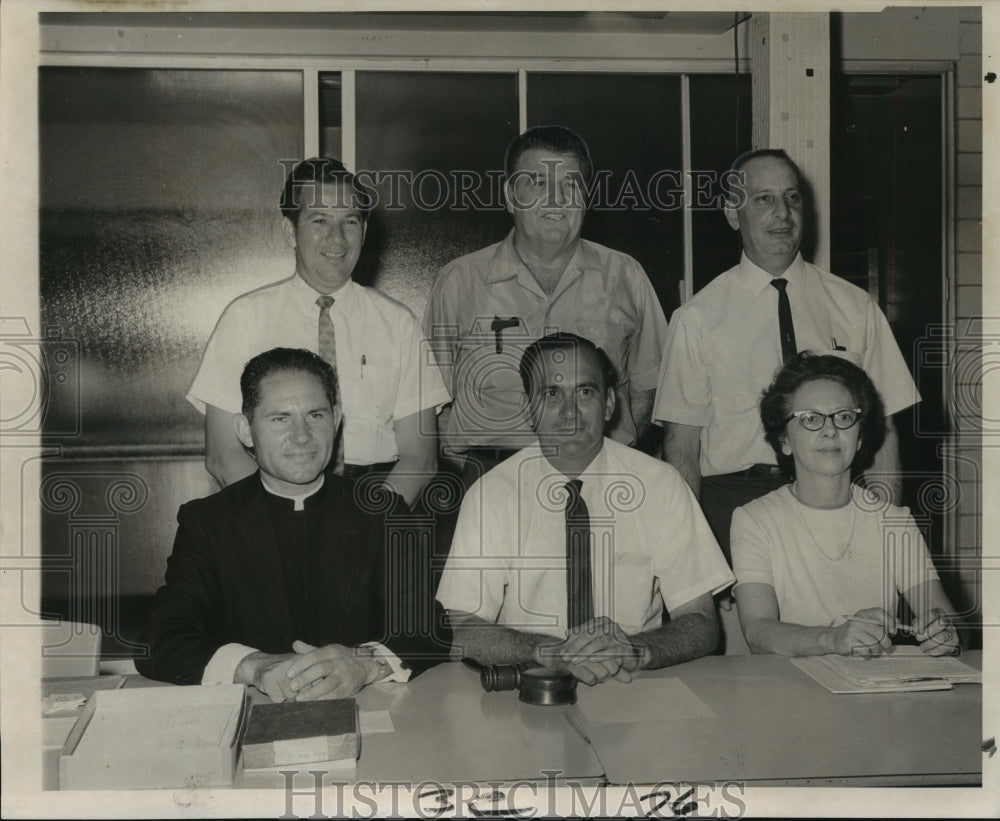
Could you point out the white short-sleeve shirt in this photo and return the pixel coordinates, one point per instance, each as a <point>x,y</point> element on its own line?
<point>827,564</point>
<point>651,546</point>
<point>385,368</point>
<point>723,350</point>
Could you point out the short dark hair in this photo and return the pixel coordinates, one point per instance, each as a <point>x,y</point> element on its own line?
<point>807,367</point>
<point>775,153</point>
<point>283,360</point>
<point>309,174</point>
<point>530,366</point>
<point>555,138</point>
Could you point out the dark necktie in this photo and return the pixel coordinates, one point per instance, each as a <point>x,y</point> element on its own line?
<point>328,351</point>
<point>579,596</point>
<point>785,327</point>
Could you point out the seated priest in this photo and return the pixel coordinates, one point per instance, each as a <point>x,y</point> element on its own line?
<point>287,580</point>
<point>579,552</point>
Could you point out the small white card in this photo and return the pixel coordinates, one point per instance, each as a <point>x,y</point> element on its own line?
<point>377,721</point>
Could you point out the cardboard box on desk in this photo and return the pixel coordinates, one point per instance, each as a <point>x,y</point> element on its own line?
<point>155,737</point>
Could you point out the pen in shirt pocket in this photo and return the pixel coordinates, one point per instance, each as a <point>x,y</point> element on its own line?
<point>835,346</point>
<point>364,361</point>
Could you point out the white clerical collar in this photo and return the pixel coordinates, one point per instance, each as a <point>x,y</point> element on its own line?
<point>300,499</point>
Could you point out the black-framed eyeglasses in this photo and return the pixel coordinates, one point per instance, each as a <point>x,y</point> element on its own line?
<point>814,420</point>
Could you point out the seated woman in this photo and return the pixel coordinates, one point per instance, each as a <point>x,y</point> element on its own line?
<point>820,563</point>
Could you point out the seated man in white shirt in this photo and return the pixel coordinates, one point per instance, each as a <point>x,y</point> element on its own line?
<point>281,580</point>
<point>621,582</point>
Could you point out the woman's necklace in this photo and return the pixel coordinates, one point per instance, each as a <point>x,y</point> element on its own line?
<point>842,549</point>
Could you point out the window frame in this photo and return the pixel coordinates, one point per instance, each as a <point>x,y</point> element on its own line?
<point>311,68</point>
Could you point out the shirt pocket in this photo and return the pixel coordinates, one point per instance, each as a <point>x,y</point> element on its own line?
<point>373,392</point>
<point>487,384</point>
<point>854,357</point>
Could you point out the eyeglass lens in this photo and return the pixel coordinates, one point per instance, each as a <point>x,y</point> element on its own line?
<point>814,420</point>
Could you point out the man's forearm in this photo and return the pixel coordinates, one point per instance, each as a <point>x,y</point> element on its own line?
<point>786,639</point>
<point>410,476</point>
<point>682,449</point>
<point>492,644</point>
<point>641,406</point>
<point>886,469</point>
<point>687,637</point>
<point>416,439</point>
<point>225,457</point>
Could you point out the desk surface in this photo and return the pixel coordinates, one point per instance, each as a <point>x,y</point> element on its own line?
<point>770,723</point>
<point>773,724</point>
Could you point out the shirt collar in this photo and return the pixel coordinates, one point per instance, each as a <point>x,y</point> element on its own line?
<point>591,474</point>
<point>506,264</point>
<point>598,467</point>
<point>299,500</point>
<point>342,298</point>
<point>757,279</point>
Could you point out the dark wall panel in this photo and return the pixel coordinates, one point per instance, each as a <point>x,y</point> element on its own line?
<point>159,194</point>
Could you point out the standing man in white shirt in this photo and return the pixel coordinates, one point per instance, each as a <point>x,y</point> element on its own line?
<point>389,387</point>
<point>725,344</point>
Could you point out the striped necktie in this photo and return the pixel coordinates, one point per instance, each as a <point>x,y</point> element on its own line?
<point>328,351</point>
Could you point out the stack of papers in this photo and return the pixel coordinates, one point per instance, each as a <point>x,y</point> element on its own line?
<point>63,695</point>
<point>903,669</point>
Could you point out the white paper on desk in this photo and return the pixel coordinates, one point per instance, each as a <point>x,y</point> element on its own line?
<point>306,767</point>
<point>376,721</point>
<point>642,700</point>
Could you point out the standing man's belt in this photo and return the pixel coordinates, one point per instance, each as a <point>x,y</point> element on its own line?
<point>758,471</point>
<point>355,472</point>
<point>496,454</point>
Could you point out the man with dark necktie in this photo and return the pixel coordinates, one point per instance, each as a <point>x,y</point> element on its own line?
<point>725,344</point>
<point>578,551</point>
